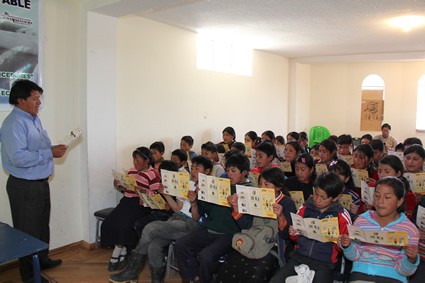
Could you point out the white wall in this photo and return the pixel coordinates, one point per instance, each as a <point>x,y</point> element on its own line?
<point>299,97</point>
<point>336,96</point>
<point>162,95</point>
<point>62,112</point>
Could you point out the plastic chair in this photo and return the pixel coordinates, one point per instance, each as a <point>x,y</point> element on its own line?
<point>100,216</point>
<point>317,135</point>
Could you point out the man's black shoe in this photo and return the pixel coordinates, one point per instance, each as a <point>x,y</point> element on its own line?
<point>50,263</point>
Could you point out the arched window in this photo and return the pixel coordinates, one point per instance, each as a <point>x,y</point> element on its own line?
<point>420,113</point>
<point>372,108</point>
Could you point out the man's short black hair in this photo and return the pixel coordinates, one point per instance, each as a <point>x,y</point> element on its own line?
<point>22,89</point>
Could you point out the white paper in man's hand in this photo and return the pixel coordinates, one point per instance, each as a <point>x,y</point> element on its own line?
<point>71,137</point>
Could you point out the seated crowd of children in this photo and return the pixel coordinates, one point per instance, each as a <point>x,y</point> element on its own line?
<point>266,210</point>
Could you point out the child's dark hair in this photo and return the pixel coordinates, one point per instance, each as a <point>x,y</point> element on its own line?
<point>315,147</point>
<point>343,169</point>
<point>221,148</point>
<point>330,146</point>
<point>181,154</point>
<point>144,153</point>
<point>399,146</point>
<point>269,134</point>
<point>345,139</point>
<point>188,140</point>
<point>308,160</point>
<point>296,145</point>
<point>209,146</point>
<point>377,144</point>
<point>280,139</point>
<point>398,188</point>
<point>276,177</point>
<point>168,165</point>
<point>239,161</point>
<point>294,135</point>
<point>268,148</point>
<point>395,163</point>
<point>367,136</point>
<point>227,154</point>
<point>366,149</point>
<point>411,141</point>
<point>416,148</point>
<point>204,161</point>
<point>334,138</point>
<point>230,131</point>
<point>239,146</point>
<point>331,183</point>
<point>254,137</point>
<point>303,136</point>
<point>158,145</point>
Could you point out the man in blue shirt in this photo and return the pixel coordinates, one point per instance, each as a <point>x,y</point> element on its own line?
<point>27,155</point>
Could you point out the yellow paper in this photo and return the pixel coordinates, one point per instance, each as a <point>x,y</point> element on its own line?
<point>286,166</point>
<point>321,168</point>
<point>213,189</point>
<point>298,198</point>
<point>256,201</point>
<point>346,200</point>
<point>223,190</point>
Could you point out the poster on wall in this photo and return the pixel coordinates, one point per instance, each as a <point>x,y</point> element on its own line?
<point>372,110</point>
<point>19,45</point>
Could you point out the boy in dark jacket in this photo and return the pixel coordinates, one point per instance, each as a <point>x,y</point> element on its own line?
<point>320,257</point>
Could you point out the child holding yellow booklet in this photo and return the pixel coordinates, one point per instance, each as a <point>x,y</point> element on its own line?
<point>199,251</point>
<point>318,256</point>
<point>256,263</point>
<point>159,234</point>
<point>383,263</point>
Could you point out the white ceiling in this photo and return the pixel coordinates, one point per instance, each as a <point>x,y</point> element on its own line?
<point>302,29</point>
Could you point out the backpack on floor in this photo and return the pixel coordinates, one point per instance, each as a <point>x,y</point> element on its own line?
<point>257,241</point>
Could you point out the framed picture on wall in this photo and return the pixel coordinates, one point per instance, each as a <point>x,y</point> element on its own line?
<point>372,110</point>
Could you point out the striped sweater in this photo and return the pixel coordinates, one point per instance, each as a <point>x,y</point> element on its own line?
<point>386,261</point>
<point>148,179</point>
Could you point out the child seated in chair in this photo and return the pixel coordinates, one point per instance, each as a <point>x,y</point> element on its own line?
<point>249,266</point>
<point>318,256</point>
<point>198,252</point>
<point>159,234</point>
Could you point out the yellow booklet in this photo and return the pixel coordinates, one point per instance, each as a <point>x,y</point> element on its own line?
<point>248,147</point>
<point>389,238</point>
<point>256,201</point>
<point>346,200</point>
<point>298,198</point>
<point>321,168</point>
<point>416,182</point>
<point>154,201</point>
<point>175,183</point>
<point>323,230</point>
<point>213,189</point>
<point>285,166</point>
<point>253,177</point>
<point>125,180</point>
<point>359,175</point>
<point>346,158</point>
